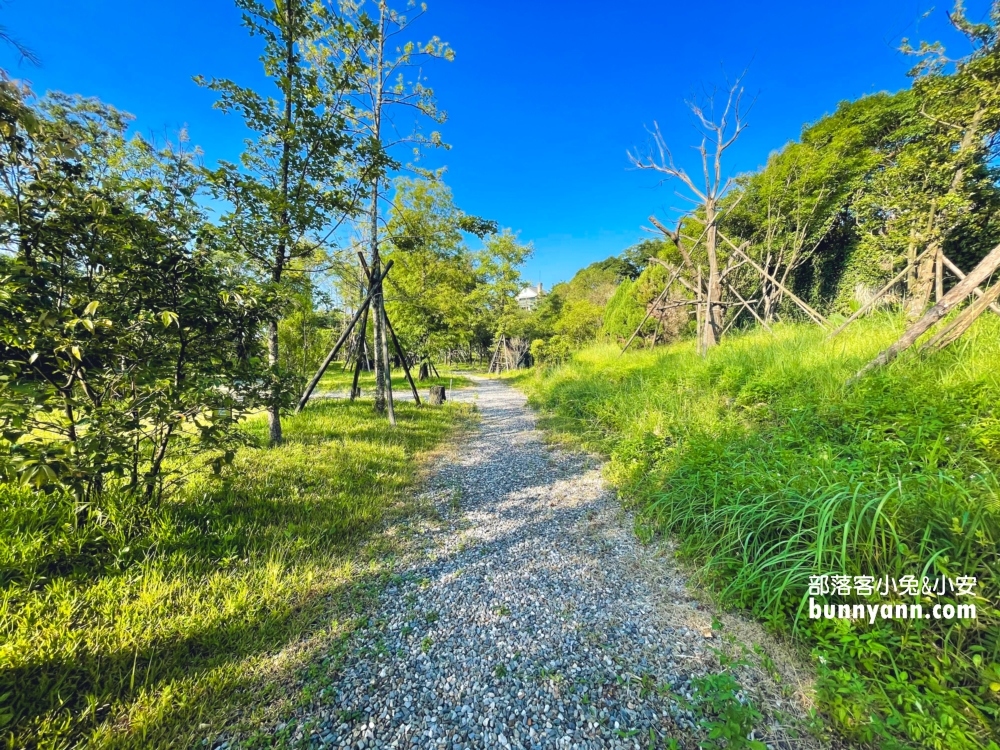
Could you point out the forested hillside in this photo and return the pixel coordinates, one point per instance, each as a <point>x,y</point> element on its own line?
<point>886,182</point>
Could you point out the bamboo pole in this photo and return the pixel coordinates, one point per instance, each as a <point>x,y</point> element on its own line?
<point>817,318</point>
<point>649,312</point>
<point>340,342</point>
<point>749,309</point>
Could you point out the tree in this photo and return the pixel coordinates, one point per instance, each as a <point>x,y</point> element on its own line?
<point>381,89</point>
<point>429,292</point>
<point>718,135</point>
<point>792,212</point>
<point>293,187</point>
<point>498,282</point>
<point>942,183</point>
<point>126,334</point>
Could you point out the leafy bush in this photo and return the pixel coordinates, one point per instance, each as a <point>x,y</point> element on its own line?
<point>127,335</point>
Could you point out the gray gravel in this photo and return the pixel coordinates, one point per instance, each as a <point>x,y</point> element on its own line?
<point>531,619</point>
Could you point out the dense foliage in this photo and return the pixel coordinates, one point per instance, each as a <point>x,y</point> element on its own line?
<point>128,334</point>
<point>883,181</point>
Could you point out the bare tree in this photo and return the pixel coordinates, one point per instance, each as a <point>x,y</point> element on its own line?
<point>718,134</point>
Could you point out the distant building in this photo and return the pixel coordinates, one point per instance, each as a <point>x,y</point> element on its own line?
<point>529,297</point>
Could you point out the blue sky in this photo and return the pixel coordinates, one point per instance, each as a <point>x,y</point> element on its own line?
<point>543,97</point>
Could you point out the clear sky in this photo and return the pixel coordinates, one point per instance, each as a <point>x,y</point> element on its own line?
<point>543,98</point>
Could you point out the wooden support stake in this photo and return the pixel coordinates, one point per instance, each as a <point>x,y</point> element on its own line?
<point>954,330</point>
<point>392,333</point>
<point>360,353</point>
<point>959,292</point>
<point>749,309</point>
<point>878,295</point>
<point>701,317</point>
<point>340,342</point>
<point>684,282</point>
<point>817,318</point>
<point>958,272</point>
<point>384,345</point>
<point>939,275</point>
<point>651,309</point>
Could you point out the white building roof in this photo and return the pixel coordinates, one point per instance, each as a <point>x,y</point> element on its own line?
<point>529,292</point>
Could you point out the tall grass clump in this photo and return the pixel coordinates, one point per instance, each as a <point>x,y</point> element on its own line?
<point>767,470</point>
<point>128,624</point>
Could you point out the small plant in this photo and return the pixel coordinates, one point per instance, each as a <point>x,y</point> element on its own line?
<point>426,643</point>
<point>647,685</point>
<point>431,617</point>
<point>500,671</point>
<point>726,715</point>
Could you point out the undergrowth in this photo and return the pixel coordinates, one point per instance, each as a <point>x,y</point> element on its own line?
<point>131,625</point>
<point>768,470</point>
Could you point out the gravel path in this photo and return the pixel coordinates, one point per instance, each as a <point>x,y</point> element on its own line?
<point>534,618</point>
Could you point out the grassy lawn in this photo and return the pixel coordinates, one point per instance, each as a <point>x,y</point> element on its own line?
<point>767,470</point>
<point>338,380</point>
<point>123,625</point>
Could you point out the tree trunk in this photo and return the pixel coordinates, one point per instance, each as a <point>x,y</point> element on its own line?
<point>273,409</point>
<point>378,303</point>
<point>713,310</point>
<point>927,280</point>
<point>423,374</point>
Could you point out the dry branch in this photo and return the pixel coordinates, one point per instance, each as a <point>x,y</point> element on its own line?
<point>819,319</point>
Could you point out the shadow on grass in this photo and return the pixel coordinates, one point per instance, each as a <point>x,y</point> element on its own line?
<point>222,572</point>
